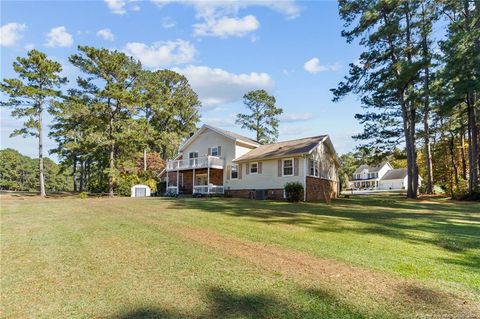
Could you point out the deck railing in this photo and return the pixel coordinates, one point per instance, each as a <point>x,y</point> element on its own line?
<point>198,162</point>
<point>208,189</point>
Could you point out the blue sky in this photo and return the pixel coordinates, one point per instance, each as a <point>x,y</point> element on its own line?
<point>292,49</point>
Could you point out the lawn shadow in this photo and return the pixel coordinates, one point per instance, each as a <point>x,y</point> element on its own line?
<point>451,226</point>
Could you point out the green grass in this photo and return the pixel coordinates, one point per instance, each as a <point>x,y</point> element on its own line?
<point>364,257</point>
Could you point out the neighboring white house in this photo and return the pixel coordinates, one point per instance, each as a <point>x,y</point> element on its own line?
<point>140,191</point>
<point>214,160</point>
<point>383,177</point>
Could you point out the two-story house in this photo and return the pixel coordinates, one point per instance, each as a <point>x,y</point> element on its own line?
<point>383,177</point>
<point>214,160</point>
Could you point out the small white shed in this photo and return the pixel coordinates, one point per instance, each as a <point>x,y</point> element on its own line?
<point>140,191</point>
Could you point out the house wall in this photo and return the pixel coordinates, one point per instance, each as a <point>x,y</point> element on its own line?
<point>327,167</point>
<point>320,189</point>
<point>394,184</point>
<point>267,179</point>
<point>384,170</point>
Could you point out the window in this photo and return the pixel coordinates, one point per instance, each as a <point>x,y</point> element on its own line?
<point>253,168</point>
<point>193,155</point>
<point>287,167</point>
<point>214,151</point>
<point>234,172</point>
<point>313,167</point>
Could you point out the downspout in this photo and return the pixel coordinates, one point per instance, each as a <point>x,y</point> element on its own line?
<point>305,178</point>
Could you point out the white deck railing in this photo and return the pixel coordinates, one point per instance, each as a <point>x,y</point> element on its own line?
<point>198,162</point>
<point>208,189</point>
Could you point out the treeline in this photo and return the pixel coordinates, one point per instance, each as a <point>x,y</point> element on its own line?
<point>20,173</point>
<point>419,83</point>
<point>114,127</point>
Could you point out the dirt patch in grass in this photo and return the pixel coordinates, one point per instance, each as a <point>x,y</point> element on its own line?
<point>353,285</point>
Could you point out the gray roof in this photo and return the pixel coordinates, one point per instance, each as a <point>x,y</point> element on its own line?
<point>397,173</point>
<point>236,136</point>
<point>370,169</point>
<point>282,149</point>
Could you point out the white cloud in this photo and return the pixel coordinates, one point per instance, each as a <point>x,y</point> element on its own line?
<point>116,6</point>
<point>225,27</point>
<point>29,46</point>
<point>293,130</point>
<point>10,33</point>
<point>168,22</point>
<point>59,37</point>
<point>290,118</point>
<point>313,66</point>
<point>220,18</point>
<point>162,54</point>
<point>216,86</point>
<point>106,34</point>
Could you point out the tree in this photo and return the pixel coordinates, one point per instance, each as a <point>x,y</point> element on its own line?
<point>263,117</point>
<point>388,74</point>
<point>111,84</point>
<point>36,86</point>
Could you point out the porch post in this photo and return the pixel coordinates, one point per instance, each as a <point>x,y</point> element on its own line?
<point>178,187</point>
<point>193,181</point>
<point>166,187</point>
<point>208,175</point>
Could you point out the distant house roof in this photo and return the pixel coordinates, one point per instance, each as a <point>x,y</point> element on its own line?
<point>283,149</point>
<point>397,173</point>
<point>370,169</point>
<point>228,134</point>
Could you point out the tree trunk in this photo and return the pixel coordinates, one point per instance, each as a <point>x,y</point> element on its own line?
<point>74,173</point>
<point>82,174</point>
<point>454,164</point>
<point>40,154</point>
<point>144,159</point>
<point>111,161</point>
<point>462,152</point>
<point>473,145</point>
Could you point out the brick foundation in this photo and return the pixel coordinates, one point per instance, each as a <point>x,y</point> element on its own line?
<point>320,189</point>
<point>273,194</point>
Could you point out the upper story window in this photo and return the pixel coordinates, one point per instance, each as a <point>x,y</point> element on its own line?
<point>234,172</point>
<point>214,151</point>
<point>193,155</point>
<point>287,167</point>
<point>313,167</point>
<point>253,168</point>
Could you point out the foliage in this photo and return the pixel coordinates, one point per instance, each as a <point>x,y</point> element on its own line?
<point>294,191</point>
<point>37,84</point>
<point>83,195</point>
<point>20,173</point>
<point>263,117</point>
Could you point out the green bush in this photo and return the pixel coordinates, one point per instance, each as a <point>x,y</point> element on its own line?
<point>294,192</point>
<point>83,195</point>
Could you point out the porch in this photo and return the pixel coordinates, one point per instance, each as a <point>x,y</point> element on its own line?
<point>203,181</point>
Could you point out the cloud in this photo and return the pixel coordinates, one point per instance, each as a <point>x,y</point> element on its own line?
<point>168,22</point>
<point>106,34</point>
<point>313,66</point>
<point>290,118</point>
<point>59,37</point>
<point>162,54</point>
<point>225,27</point>
<point>216,86</point>
<point>293,130</point>
<point>10,33</point>
<point>220,18</point>
<point>116,6</point>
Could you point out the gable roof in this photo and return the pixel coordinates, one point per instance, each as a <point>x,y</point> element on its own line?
<point>397,173</point>
<point>233,136</point>
<point>370,169</point>
<point>283,149</point>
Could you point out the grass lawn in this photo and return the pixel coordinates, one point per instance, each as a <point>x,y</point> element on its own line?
<point>366,257</point>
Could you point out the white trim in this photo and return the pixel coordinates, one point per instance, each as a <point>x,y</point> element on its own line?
<point>231,170</point>
<point>250,167</point>
<point>283,166</point>
<point>305,179</point>
<point>211,150</point>
<point>308,172</point>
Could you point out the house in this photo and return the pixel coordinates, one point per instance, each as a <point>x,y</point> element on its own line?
<point>216,161</point>
<point>383,177</point>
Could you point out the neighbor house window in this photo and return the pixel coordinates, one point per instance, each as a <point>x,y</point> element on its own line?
<point>253,168</point>
<point>214,151</point>
<point>234,172</point>
<point>313,167</point>
<point>287,167</point>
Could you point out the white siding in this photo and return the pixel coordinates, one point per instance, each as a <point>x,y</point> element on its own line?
<point>328,168</point>
<point>383,170</point>
<point>393,184</point>
<point>268,179</point>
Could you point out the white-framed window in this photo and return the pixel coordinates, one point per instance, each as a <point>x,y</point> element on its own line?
<point>214,151</point>
<point>234,172</point>
<point>313,168</point>
<point>287,167</point>
<point>193,155</point>
<point>254,168</point>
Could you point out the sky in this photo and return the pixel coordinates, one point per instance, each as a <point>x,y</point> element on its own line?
<point>292,49</point>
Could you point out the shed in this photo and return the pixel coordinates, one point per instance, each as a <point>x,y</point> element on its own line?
<point>140,191</point>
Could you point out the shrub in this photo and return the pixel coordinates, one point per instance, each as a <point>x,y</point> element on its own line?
<point>294,192</point>
<point>83,195</point>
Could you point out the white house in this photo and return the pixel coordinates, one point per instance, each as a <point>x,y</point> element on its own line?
<point>214,160</point>
<point>383,177</point>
